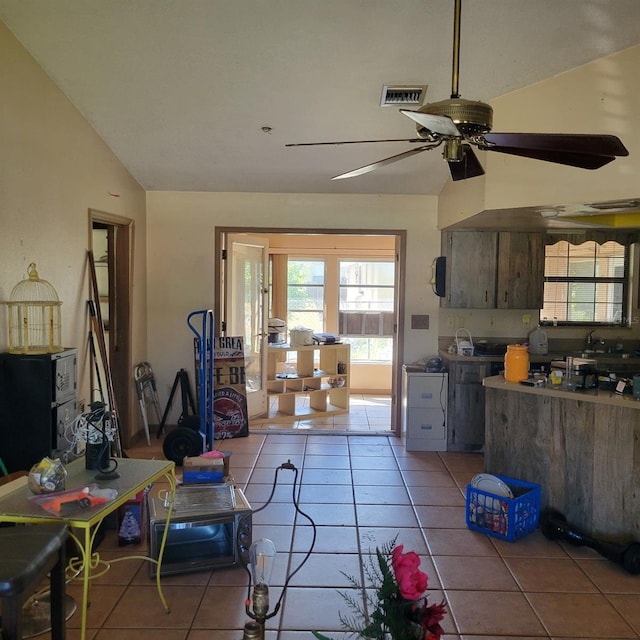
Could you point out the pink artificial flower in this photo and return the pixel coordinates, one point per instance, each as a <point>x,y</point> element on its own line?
<point>411,581</point>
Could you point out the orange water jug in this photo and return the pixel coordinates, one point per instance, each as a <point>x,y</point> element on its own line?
<point>516,363</point>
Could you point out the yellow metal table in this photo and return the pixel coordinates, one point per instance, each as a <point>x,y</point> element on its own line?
<point>133,476</point>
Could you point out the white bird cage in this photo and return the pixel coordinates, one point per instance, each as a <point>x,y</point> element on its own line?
<point>34,316</point>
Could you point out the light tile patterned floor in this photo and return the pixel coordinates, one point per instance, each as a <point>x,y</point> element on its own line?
<point>367,414</point>
<point>362,490</point>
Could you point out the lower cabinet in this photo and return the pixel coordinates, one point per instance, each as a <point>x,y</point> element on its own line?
<point>424,411</point>
<point>466,403</point>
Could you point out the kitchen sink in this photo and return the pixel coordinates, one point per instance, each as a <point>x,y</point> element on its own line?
<point>594,355</point>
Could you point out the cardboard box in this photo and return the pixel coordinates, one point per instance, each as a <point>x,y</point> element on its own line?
<point>203,469</point>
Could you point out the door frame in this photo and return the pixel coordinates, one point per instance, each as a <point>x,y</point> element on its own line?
<point>400,235</point>
<point>120,232</point>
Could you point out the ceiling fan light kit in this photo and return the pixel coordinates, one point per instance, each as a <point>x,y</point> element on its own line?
<point>459,124</point>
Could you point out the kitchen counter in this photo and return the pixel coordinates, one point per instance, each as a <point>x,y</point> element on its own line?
<point>454,357</point>
<point>608,359</point>
<point>597,396</point>
<point>580,446</point>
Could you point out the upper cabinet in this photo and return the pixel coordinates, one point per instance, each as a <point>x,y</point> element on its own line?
<point>494,270</point>
<point>520,270</point>
<point>472,258</point>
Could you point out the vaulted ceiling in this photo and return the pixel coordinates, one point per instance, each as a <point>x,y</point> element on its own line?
<point>203,95</point>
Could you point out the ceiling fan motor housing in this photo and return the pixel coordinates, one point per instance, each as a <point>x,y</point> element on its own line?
<point>470,116</point>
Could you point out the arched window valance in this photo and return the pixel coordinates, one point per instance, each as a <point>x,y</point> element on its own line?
<point>624,237</point>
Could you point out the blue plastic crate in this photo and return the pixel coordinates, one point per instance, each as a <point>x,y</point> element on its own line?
<point>505,518</point>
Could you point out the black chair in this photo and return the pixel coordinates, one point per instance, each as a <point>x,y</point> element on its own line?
<point>27,554</point>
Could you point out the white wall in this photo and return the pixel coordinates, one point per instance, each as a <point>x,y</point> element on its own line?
<point>601,97</point>
<point>53,169</point>
<point>180,241</point>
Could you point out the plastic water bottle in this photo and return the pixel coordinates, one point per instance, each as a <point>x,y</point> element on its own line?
<point>538,343</point>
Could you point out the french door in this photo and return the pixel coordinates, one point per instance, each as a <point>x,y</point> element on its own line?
<point>246,289</point>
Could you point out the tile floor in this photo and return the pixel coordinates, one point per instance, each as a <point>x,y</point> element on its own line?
<point>367,413</point>
<point>362,490</point>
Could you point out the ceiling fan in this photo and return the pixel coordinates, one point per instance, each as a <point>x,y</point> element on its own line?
<point>460,124</point>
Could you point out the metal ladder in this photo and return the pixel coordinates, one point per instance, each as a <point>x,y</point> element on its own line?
<point>147,394</point>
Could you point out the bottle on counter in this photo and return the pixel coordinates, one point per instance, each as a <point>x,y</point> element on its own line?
<point>569,382</point>
<point>516,363</point>
<point>538,342</point>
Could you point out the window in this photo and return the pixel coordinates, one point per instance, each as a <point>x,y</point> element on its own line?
<point>305,294</point>
<point>360,301</point>
<point>366,307</point>
<point>585,283</point>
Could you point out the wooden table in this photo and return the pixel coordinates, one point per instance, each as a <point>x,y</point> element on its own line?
<point>133,476</point>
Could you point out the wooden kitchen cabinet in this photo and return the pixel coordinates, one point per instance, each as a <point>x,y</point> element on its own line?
<point>520,270</point>
<point>494,270</point>
<point>471,269</point>
<point>466,417</point>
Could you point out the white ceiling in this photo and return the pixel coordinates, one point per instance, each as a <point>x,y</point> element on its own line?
<point>180,89</point>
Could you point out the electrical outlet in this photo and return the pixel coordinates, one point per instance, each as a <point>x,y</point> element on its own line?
<point>526,319</point>
<point>450,322</point>
<point>492,321</point>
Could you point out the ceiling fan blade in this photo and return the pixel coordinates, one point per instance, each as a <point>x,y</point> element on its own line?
<point>442,125</point>
<point>569,158</point>
<point>383,163</point>
<point>587,144</point>
<point>318,144</point>
<point>468,167</point>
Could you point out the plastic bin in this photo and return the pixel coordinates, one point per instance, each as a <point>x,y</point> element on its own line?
<point>505,518</point>
<point>301,337</point>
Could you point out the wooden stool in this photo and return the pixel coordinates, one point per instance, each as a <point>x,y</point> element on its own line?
<point>27,554</point>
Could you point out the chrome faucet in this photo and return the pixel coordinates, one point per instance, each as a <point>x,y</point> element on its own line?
<point>590,338</point>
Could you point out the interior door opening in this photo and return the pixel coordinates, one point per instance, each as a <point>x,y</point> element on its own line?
<point>364,247</point>
<point>110,240</point>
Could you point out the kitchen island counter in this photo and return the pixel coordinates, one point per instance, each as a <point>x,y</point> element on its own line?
<point>582,447</point>
<point>597,396</point>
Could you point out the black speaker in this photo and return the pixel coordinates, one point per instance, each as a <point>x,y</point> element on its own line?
<point>438,278</point>
<point>97,455</point>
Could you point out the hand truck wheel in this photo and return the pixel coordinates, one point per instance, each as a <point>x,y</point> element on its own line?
<point>180,443</point>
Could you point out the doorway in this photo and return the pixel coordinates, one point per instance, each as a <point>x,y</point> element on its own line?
<point>110,240</point>
<point>397,242</point>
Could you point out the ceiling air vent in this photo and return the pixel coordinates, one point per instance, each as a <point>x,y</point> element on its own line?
<point>394,95</point>
<point>615,204</point>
